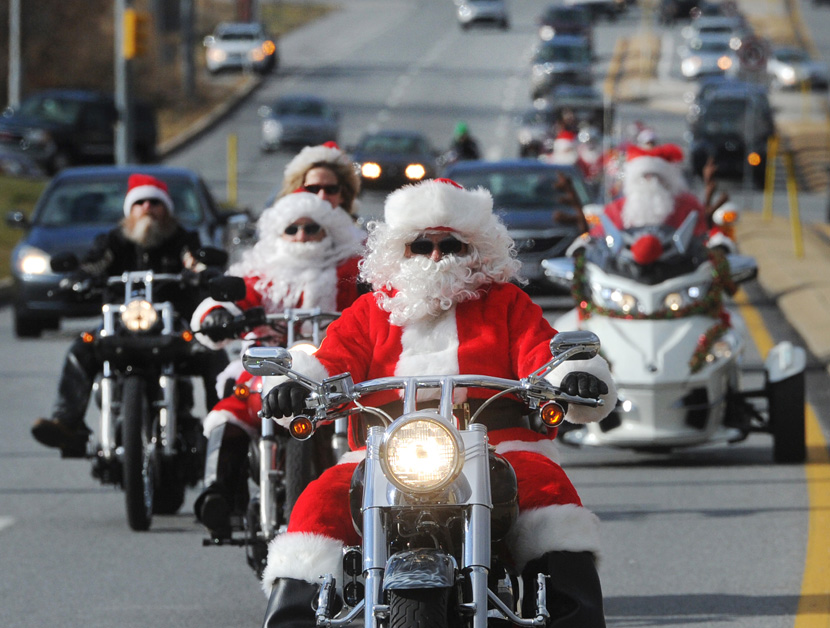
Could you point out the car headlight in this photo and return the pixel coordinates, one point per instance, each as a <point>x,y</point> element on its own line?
<point>36,137</point>
<point>421,453</point>
<point>690,66</point>
<point>788,76</point>
<point>216,55</point>
<point>139,315</point>
<point>33,261</point>
<point>415,172</point>
<point>271,129</point>
<point>546,33</point>
<point>370,170</point>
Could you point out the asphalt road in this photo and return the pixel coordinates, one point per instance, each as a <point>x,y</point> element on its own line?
<point>712,537</point>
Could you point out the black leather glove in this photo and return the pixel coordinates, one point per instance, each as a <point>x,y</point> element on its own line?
<point>582,384</point>
<point>214,323</point>
<point>286,399</point>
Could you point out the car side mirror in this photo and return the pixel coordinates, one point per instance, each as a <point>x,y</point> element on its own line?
<point>208,41</point>
<point>227,288</point>
<point>64,262</point>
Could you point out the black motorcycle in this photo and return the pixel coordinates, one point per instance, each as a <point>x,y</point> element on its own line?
<point>148,443</point>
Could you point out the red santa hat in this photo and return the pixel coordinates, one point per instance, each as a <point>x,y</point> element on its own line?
<point>143,186</point>
<point>664,160</point>
<point>324,153</point>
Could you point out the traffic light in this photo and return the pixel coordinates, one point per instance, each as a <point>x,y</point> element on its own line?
<point>136,33</point>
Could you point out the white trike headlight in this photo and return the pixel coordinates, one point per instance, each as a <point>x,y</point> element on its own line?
<point>139,315</point>
<point>421,453</point>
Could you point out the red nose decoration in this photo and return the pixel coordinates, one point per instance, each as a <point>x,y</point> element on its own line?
<point>647,250</point>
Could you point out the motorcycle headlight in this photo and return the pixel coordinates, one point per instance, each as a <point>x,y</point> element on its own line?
<point>33,261</point>
<point>679,299</point>
<point>720,350</point>
<point>139,315</point>
<point>421,453</point>
<point>415,172</point>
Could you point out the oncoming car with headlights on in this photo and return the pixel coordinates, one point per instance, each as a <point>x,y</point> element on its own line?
<point>76,206</point>
<point>389,159</point>
<point>240,46</point>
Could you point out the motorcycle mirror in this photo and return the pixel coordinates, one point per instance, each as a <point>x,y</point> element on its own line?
<point>267,361</point>
<point>685,232</point>
<point>742,267</point>
<point>210,256</point>
<point>583,344</point>
<point>64,262</point>
<point>227,288</point>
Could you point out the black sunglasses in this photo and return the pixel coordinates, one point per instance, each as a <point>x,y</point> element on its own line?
<point>309,229</point>
<point>153,201</point>
<point>333,188</point>
<point>447,246</point>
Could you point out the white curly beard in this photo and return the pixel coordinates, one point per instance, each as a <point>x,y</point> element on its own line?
<point>146,231</point>
<point>427,288</point>
<point>647,202</point>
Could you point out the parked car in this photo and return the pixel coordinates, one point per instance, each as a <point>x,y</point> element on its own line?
<point>792,68</point>
<point>734,126</point>
<point>563,59</point>
<point>298,120</point>
<point>57,128</point>
<point>76,206</point>
<point>241,46</point>
<point>389,159</point>
<point>707,55</point>
<point>527,199</point>
<point>561,20</point>
<point>470,12</point>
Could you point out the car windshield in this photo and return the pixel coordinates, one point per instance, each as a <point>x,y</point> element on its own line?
<point>564,54</point>
<point>523,189</point>
<point>791,55</point>
<point>727,116</point>
<point>300,108</point>
<point>390,144</point>
<point>567,14</point>
<point>51,109</point>
<point>238,34</point>
<point>699,45</point>
<point>101,202</point>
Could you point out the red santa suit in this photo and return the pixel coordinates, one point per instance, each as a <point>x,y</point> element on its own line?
<point>279,276</point>
<point>499,332</point>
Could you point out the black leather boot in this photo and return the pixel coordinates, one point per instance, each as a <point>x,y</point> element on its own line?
<point>574,594</point>
<point>225,479</point>
<point>290,604</point>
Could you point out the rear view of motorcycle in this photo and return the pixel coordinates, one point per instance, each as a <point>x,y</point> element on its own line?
<point>659,299</point>
<point>279,466</point>
<point>432,500</point>
<point>147,442</point>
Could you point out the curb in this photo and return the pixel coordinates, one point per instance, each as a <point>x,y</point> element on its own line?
<point>204,124</point>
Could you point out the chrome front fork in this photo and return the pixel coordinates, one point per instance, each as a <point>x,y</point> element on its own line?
<point>168,416</point>
<point>267,480</point>
<point>108,413</point>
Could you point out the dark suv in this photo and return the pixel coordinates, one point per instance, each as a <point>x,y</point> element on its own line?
<point>64,127</point>
<point>734,126</point>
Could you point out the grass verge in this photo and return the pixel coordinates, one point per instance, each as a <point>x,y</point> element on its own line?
<point>15,194</point>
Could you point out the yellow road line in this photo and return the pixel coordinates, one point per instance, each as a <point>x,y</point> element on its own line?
<point>814,603</point>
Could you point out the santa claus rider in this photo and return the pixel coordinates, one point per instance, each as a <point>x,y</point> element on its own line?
<point>306,256</point>
<point>442,266</point>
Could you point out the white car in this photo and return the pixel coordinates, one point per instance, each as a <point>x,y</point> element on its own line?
<point>240,46</point>
<point>471,12</point>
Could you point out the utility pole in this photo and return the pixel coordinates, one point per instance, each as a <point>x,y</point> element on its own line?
<point>188,62</point>
<point>15,63</point>
<point>123,90</point>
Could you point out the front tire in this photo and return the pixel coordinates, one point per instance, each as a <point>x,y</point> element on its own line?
<point>786,419</point>
<point>421,608</point>
<point>139,457</point>
<point>299,471</point>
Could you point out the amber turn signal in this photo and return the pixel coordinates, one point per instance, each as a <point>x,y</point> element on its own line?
<point>301,427</point>
<point>552,414</point>
<point>187,336</point>
<point>87,337</point>
<point>241,391</point>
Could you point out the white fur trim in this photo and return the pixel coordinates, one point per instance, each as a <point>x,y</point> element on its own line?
<point>547,448</point>
<point>141,192</point>
<point>302,556</point>
<point>352,457</point>
<point>719,238</point>
<point>430,345</point>
<point>199,315</point>
<point>596,366</point>
<point>565,527</point>
<point>313,155</point>
<point>432,203</point>
<point>215,418</point>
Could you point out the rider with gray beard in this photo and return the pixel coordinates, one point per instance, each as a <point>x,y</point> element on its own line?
<point>148,238</point>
